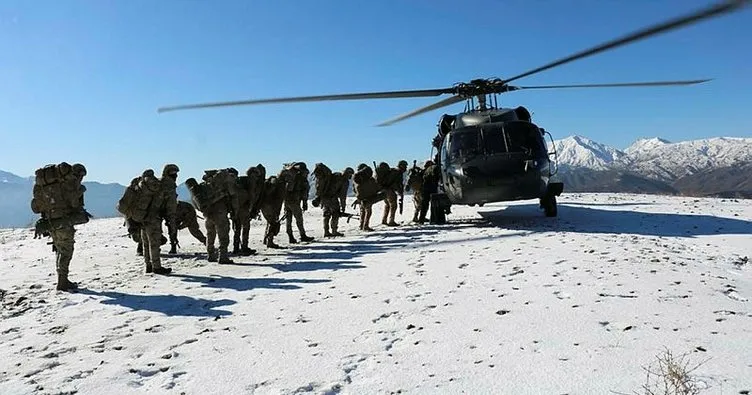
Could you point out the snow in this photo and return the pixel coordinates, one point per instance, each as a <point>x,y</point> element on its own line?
<point>642,146</point>
<point>500,300</point>
<point>579,151</point>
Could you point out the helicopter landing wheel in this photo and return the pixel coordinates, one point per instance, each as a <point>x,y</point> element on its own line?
<point>549,205</point>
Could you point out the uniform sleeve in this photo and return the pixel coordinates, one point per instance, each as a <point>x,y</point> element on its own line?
<point>342,194</point>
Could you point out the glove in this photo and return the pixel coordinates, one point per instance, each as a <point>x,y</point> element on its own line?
<point>315,202</point>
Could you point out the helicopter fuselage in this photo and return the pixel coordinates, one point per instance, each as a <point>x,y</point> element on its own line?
<point>493,156</point>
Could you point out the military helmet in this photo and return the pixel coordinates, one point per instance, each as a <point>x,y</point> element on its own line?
<point>362,166</point>
<point>148,173</point>
<point>79,170</point>
<point>170,169</point>
<point>428,163</point>
<point>348,171</point>
<point>402,164</point>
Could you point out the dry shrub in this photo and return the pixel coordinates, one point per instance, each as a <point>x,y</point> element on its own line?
<point>671,375</point>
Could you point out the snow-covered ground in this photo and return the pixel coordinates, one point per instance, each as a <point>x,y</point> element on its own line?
<point>501,301</point>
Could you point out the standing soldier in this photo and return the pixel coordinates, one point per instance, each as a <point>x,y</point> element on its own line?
<point>270,205</point>
<point>142,203</point>
<point>391,181</point>
<point>296,180</point>
<point>328,191</point>
<point>249,192</point>
<point>431,178</point>
<point>58,195</point>
<point>169,207</point>
<point>216,197</point>
<point>344,188</point>
<point>366,194</point>
<point>415,183</point>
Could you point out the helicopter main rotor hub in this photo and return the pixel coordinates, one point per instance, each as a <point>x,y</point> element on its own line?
<point>481,87</point>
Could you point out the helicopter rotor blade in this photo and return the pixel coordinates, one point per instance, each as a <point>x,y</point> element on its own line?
<point>442,103</point>
<point>717,9</point>
<point>614,85</point>
<point>346,96</point>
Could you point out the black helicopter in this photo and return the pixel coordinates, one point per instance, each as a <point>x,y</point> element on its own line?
<point>489,153</point>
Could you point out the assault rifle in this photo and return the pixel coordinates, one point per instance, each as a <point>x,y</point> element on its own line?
<point>349,216</point>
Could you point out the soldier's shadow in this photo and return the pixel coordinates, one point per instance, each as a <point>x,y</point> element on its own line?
<point>171,305</point>
<point>247,284</point>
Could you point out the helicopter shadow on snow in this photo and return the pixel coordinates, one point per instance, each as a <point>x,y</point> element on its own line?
<point>592,220</point>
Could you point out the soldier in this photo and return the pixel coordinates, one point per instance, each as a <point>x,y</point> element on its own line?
<point>270,205</point>
<point>58,195</point>
<point>215,215</point>
<point>169,207</point>
<point>249,192</point>
<point>186,218</point>
<point>415,183</point>
<point>142,204</point>
<point>431,177</point>
<point>296,181</point>
<point>344,188</point>
<point>391,181</point>
<point>366,194</point>
<point>328,191</point>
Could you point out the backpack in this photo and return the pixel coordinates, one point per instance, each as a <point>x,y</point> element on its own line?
<point>58,194</point>
<point>142,198</point>
<point>216,186</point>
<point>362,175</point>
<point>382,174</point>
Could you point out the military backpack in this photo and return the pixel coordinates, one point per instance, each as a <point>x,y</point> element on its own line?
<point>142,198</point>
<point>216,186</point>
<point>59,196</point>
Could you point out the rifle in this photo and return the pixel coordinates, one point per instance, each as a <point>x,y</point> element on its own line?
<point>349,216</point>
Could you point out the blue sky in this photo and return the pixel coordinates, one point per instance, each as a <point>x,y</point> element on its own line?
<point>81,80</point>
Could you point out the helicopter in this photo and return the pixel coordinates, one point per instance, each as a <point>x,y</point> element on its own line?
<point>488,153</point>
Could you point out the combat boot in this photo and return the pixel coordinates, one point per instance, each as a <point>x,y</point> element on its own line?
<point>291,238</point>
<point>140,249</point>
<point>335,225</point>
<point>63,284</point>
<point>245,251</point>
<point>223,257</point>
<point>173,249</point>
<point>211,254</point>
<point>162,270</point>
<point>149,268</point>
<point>305,238</point>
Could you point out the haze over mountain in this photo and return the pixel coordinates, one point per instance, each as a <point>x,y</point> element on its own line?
<point>720,166</point>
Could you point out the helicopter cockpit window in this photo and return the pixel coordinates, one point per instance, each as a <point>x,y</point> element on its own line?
<point>522,137</point>
<point>493,140</point>
<point>464,144</point>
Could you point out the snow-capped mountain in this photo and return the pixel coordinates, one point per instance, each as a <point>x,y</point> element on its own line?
<point>658,165</point>
<point>671,161</point>
<point>579,151</point>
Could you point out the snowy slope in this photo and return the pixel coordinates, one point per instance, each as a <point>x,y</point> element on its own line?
<point>500,301</point>
<point>643,146</point>
<point>578,151</point>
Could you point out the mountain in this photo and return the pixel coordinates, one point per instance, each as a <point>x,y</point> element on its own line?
<point>578,151</point>
<point>715,166</point>
<point>10,178</point>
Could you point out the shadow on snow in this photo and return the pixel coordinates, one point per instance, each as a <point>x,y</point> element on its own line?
<point>171,305</point>
<point>591,220</point>
<point>247,284</point>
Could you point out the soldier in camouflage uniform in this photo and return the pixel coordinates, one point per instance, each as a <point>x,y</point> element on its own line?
<point>366,194</point>
<point>328,191</point>
<point>344,188</point>
<point>151,226</point>
<point>63,234</point>
<point>431,178</point>
<point>270,205</point>
<point>215,216</point>
<point>169,207</point>
<point>249,192</point>
<point>296,180</point>
<point>186,218</point>
<point>392,184</point>
<point>415,183</point>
